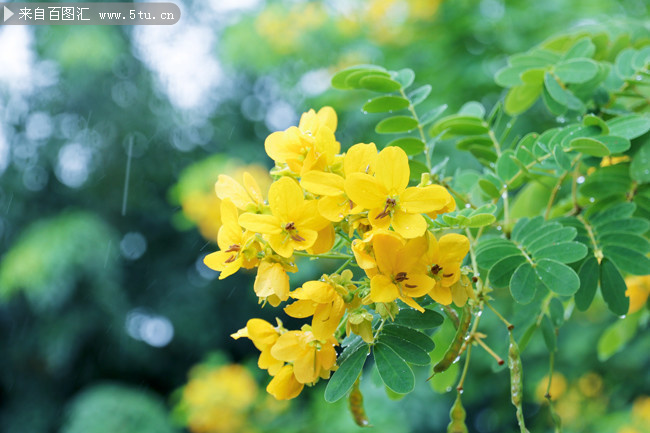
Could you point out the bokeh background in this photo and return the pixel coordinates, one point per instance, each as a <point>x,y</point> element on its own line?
<point>111,139</point>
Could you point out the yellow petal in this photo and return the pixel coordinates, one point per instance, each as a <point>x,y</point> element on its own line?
<point>386,246</point>
<point>257,223</point>
<point>229,213</point>
<point>360,158</point>
<point>321,183</point>
<point>307,216</point>
<point>285,195</point>
<point>326,359</point>
<point>266,361</point>
<point>409,225</point>
<point>253,188</point>
<point>410,255</point>
<point>261,333</point>
<point>423,285</point>
<point>216,261</point>
<point>378,219</point>
<point>458,295</point>
<point>453,247</point>
<point>290,346</point>
<point>327,117</point>
<point>308,121</point>
<point>301,309</point>
<point>282,146</point>
<point>317,291</point>
<point>284,385</point>
<point>334,208</point>
<point>423,199</point>
<point>366,191</point>
<point>326,144</point>
<point>324,241</point>
<point>441,294</point>
<point>304,368</point>
<point>393,169</point>
<point>363,258</point>
<point>326,319</point>
<point>271,279</point>
<point>227,187</point>
<point>231,267</point>
<point>382,289</point>
<point>411,303</point>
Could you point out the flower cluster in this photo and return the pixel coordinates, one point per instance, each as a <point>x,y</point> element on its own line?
<point>355,206</point>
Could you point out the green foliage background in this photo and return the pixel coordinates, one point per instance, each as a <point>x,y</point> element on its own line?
<point>68,279</point>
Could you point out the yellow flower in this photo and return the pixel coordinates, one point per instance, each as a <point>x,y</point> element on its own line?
<point>388,199</point>
<point>310,146</point>
<point>284,385</point>
<point>399,275</point>
<point>264,336</point>
<point>334,204</point>
<point>638,289</point>
<point>237,248</point>
<point>248,198</point>
<point>272,282</point>
<point>294,223</point>
<point>321,300</point>
<point>442,260</point>
<point>311,358</point>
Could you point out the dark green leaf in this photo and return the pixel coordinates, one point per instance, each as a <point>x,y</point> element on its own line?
<point>524,283</point>
<point>414,319</point>
<point>488,257</point>
<point>628,240</point>
<point>564,252</point>
<point>556,312</point>
<point>557,277</point>
<point>576,70</point>
<point>548,331</point>
<point>420,94</point>
<point>612,286</point>
<point>418,338</point>
<point>347,373</point>
<point>552,237</point>
<point>410,145</point>
<point>417,168</point>
<point>629,225</point>
<point>385,104</point>
<point>501,273</point>
<point>396,124</point>
<point>613,213</point>
<point>394,372</point>
<point>627,260</point>
<point>378,83</point>
<point>406,350</point>
<point>589,275</point>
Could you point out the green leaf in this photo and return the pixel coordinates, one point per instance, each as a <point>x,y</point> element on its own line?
<point>613,213</point>
<point>576,70</point>
<point>564,252</point>
<point>556,312</point>
<point>385,104</point>
<point>615,144</point>
<point>480,220</point>
<point>501,273</point>
<point>613,288</point>
<point>405,77</point>
<point>589,276</point>
<point>377,83</point>
<point>459,125</point>
<point>510,76</point>
<point>623,64</point>
<point>548,332</point>
<point>628,240</point>
<point>394,372</point>
<point>630,126</point>
<point>520,98</point>
<point>589,146</point>
<point>627,260</point>
<point>640,166</point>
<point>592,120</point>
<point>560,156</point>
<point>506,167</point>
<point>353,81</point>
<point>410,145</point>
<point>418,338</point>
<point>420,94</point>
<point>615,337</point>
<point>555,90</point>
<point>533,76</point>
<point>582,48</point>
<point>345,376</point>
<point>521,227</point>
<point>607,181</point>
<point>629,225</point>
<point>406,350</point>
<point>396,124</point>
<point>432,114</point>
<point>553,106</point>
<point>415,319</point>
<point>552,237</point>
<point>488,257</point>
<point>417,168</point>
<point>473,108</point>
<point>557,277</point>
<point>524,283</point>
<point>339,79</point>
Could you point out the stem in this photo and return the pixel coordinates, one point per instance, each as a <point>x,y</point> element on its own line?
<point>465,368</point>
<point>343,266</point>
<point>427,151</point>
<point>554,192</point>
<point>550,376</point>
<point>323,256</point>
<point>509,325</point>
<point>597,251</point>
<point>487,348</point>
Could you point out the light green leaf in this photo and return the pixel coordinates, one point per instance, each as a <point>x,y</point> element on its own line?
<point>417,168</point>
<point>615,144</point>
<point>589,146</point>
<point>410,145</point>
<point>612,286</point>
<point>385,104</point>
<point>557,277</point>
<point>405,77</point>
<point>488,257</point>
<point>481,220</point>
<point>555,89</point>
<point>615,337</point>
<point>345,376</point>
<point>378,83</point>
<point>394,372</point>
<point>560,156</point>
<point>473,108</point>
<point>432,115</point>
<point>339,79</point>
<point>576,70</point>
<point>396,124</point>
<point>506,167</point>
<point>520,98</point>
<point>630,126</point>
<point>592,120</point>
<point>510,76</point>
<point>459,125</point>
<point>420,94</point>
<point>582,48</point>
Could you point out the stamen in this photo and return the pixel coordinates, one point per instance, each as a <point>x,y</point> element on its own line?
<point>233,248</point>
<point>230,259</point>
<point>435,269</point>
<point>447,275</point>
<point>401,277</point>
<point>351,204</point>
<point>290,226</point>
<point>390,203</point>
<point>297,237</point>
<point>410,286</point>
